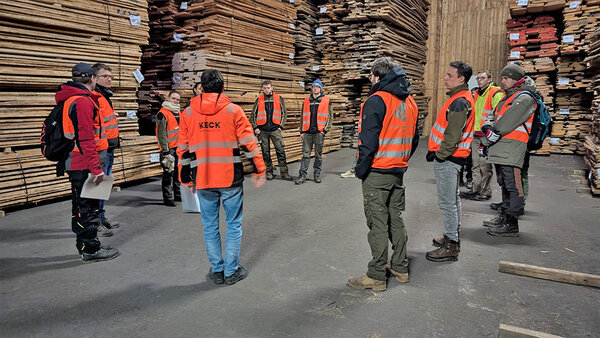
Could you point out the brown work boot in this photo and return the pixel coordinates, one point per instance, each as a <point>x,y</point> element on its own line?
<point>438,241</point>
<point>447,252</point>
<point>401,277</point>
<point>364,282</point>
<point>286,177</point>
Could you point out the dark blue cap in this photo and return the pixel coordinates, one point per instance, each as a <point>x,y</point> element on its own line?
<point>83,69</point>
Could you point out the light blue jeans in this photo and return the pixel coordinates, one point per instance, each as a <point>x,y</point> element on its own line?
<point>210,200</point>
<point>446,177</point>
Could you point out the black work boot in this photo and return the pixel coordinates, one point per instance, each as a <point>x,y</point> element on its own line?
<point>100,255</point>
<point>447,252</point>
<point>318,178</point>
<point>496,221</point>
<point>510,228</point>
<point>108,224</point>
<point>300,179</point>
<point>285,176</point>
<point>216,277</point>
<point>495,206</point>
<point>237,276</point>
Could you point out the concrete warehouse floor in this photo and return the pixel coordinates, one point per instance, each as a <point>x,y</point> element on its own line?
<point>300,244</point>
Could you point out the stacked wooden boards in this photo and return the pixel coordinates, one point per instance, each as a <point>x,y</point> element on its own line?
<point>307,53</point>
<point>522,7</point>
<point>592,141</point>
<point>37,53</point>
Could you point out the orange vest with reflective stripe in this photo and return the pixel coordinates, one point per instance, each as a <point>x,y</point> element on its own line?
<point>463,148</point>
<point>261,115</point>
<point>172,129</point>
<point>522,131</point>
<point>322,114</point>
<point>109,119</point>
<point>69,128</point>
<point>487,105</point>
<point>397,132</point>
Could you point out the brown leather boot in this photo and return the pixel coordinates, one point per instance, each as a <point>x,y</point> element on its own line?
<point>438,241</point>
<point>448,252</point>
<point>401,277</point>
<point>364,282</point>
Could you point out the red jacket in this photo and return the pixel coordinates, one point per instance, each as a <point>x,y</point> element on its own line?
<point>83,119</point>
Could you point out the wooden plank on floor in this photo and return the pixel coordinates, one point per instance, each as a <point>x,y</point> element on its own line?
<point>557,275</point>
<point>509,331</point>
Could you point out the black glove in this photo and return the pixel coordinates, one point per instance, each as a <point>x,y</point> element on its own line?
<point>186,169</point>
<point>430,156</point>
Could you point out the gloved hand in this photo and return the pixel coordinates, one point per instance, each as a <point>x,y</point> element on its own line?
<point>168,162</point>
<point>490,133</point>
<point>186,169</point>
<point>430,156</point>
<point>483,151</point>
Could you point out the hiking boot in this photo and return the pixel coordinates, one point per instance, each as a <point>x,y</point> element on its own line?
<point>364,282</point>
<point>495,206</point>
<point>100,255</point>
<point>108,224</point>
<point>318,179</point>
<point>269,176</point>
<point>102,246</point>
<point>348,174</point>
<point>482,197</point>
<point>496,221</point>
<point>510,228</point>
<point>103,231</point>
<point>447,252</point>
<point>401,277</point>
<point>467,195</point>
<point>237,276</point>
<point>286,176</point>
<point>170,203</point>
<point>469,185</point>
<point>438,241</point>
<point>216,277</point>
<point>301,179</point>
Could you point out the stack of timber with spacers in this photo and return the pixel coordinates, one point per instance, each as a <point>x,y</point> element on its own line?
<point>41,40</point>
<point>592,141</point>
<point>307,54</point>
<point>353,34</point>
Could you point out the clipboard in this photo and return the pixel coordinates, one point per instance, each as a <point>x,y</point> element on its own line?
<point>95,191</point>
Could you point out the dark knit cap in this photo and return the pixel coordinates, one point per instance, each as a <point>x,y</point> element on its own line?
<point>513,71</point>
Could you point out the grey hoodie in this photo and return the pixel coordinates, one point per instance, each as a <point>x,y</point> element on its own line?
<point>506,151</point>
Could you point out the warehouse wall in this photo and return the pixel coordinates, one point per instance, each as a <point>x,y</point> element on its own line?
<point>472,31</point>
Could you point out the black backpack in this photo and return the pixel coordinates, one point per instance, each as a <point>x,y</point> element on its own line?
<point>55,145</point>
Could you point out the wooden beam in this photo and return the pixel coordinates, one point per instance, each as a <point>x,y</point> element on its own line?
<point>550,274</point>
<point>509,331</point>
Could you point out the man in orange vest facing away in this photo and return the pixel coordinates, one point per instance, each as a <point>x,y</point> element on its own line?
<point>507,139</point>
<point>450,145</point>
<point>268,118</point>
<point>212,131</point>
<point>167,132</point>
<point>316,121</point>
<point>387,139</point>
<point>486,96</point>
<point>81,106</point>
<point>110,127</point>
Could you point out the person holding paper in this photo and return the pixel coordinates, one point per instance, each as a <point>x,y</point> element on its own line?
<point>506,139</point>
<point>211,133</point>
<point>83,160</point>
<point>167,133</point>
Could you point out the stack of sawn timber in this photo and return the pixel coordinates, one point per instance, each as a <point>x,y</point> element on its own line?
<point>37,54</point>
<point>592,141</point>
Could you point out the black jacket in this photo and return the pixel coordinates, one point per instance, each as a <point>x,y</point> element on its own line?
<point>395,83</point>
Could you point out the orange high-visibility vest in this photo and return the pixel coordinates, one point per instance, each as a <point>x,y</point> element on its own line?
<point>463,148</point>
<point>261,114</point>
<point>109,119</point>
<point>69,128</point>
<point>322,114</point>
<point>397,132</point>
<point>172,129</point>
<point>487,105</point>
<point>522,131</point>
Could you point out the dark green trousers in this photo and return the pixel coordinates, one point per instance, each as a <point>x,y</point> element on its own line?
<point>383,196</point>
<point>265,137</point>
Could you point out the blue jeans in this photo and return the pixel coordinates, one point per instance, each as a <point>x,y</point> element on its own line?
<point>446,177</point>
<point>107,168</point>
<point>233,204</point>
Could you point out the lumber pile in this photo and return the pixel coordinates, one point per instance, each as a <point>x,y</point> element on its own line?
<point>522,7</point>
<point>306,52</point>
<point>592,141</point>
<point>581,18</point>
<point>37,53</point>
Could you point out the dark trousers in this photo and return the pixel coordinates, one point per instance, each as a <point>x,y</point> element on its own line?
<point>308,142</point>
<point>85,214</point>
<point>383,197</point>
<point>510,180</point>
<point>170,181</point>
<point>265,138</point>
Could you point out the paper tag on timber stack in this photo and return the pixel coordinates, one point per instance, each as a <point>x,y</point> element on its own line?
<point>568,38</point>
<point>301,83</point>
<point>135,20</point>
<point>574,4</point>
<point>322,9</point>
<point>177,37</point>
<point>183,5</point>
<point>291,55</point>
<point>138,76</point>
<point>319,31</point>
<point>515,36</point>
<point>564,111</point>
<point>131,114</point>
<point>523,3</point>
<point>515,55</point>
<point>154,157</point>
<point>292,26</point>
<point>563,81</point>
<point>554,140</point>
<point>315,68</point>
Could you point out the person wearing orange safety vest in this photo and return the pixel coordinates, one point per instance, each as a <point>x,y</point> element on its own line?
<point>213,131</point>
<point>388,137</point>
<point>316,121</point>
<point>110,129</point>
<point>506,140</point>
<point>450,145</point>
<point>268,118</point>
<point>486,96</point>
<point>167,133</point>
<point>78,123</point>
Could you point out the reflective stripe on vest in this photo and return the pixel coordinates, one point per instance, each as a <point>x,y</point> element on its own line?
<point>172,129</point>
<point>436,137</point>
<point>521,133</point>
<point>109,119</point>
<point>487,106</point>
<point>261,114</point>
<point>69,128</point>
<point>322,114</point>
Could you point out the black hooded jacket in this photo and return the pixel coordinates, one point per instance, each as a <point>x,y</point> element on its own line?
<point>373,115</point>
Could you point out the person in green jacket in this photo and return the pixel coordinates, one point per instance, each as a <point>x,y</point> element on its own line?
<point>506,139</point>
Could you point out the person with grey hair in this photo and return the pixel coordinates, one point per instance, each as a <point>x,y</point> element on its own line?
<point>388,137</point>
<point>82,105</point>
